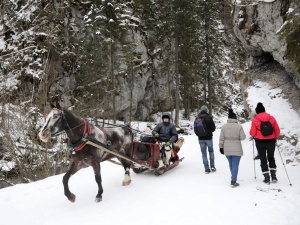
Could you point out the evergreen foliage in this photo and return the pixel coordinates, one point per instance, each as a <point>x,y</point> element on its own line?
<point>95,42</point>
<point>104,45</point>
<point>95,53</point>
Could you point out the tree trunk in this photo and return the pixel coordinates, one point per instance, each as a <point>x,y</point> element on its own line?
<point>131,93</point>
<point>112,79</point>
<point>208,69</point>
<point>177,83</point>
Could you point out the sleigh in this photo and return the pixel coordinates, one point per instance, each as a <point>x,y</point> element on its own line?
<point>148,154</point>
<point>145,156</point>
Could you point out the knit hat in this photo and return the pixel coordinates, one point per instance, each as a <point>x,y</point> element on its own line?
<point>231,114</point>
<point>204,109</point>
<point>260,108</point>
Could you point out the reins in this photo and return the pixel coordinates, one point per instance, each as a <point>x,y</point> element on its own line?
<point>60,132</point>
<point>70,129</point>
<point>88,139</point>
<point>125,125</point>
<point>87,131</point>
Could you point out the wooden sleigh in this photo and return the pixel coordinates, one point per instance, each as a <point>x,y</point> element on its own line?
<point>145,155</point>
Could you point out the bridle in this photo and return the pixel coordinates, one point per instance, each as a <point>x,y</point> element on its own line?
<point>87,130</point>
<point>62,117</point>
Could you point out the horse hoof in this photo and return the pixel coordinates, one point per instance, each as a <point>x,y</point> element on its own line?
<point>98,199</point>
<point>126,183</point>
<point>72,198</point>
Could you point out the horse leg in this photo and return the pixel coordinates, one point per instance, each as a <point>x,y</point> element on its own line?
<point>66,177</point>
<point>96,168</point>
<point>127,179</point>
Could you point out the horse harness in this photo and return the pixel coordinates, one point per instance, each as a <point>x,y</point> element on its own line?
<point>87,131</point>
<point>87,139</point>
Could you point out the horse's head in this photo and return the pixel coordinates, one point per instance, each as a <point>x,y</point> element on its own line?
<point>54,124</point>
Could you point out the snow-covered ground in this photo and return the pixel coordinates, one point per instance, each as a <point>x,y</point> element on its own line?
<point>184,195</point>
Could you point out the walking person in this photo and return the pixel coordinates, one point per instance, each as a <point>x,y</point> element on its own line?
<point>230,144</point>
<point>265,130</point>
<point>204,127</point>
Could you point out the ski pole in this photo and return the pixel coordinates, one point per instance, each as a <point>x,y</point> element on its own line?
<point>253,159</point>
<point>284,165</point>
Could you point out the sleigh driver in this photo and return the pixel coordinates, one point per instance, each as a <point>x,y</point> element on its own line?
<point>166,135</point>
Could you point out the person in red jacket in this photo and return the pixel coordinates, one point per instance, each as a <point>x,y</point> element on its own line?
<point>265,144</point>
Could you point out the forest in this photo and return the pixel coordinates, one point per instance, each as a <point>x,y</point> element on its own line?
<point>119,61</point>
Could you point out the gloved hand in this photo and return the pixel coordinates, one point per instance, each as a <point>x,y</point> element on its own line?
<point>167,144</point>
<point>222,151</point>
<point>156,135</point>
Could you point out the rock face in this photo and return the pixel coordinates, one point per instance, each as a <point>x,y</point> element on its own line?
<point>261,28</point>
<point>259,25</point>
<point>276,76</point>
<point>149,89</point>
<point>146,88</point>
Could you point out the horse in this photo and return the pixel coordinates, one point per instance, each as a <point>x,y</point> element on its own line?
<point>118,138</point>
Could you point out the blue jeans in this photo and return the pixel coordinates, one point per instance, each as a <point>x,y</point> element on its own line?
<point>209,144</point>
<point>234,162</point>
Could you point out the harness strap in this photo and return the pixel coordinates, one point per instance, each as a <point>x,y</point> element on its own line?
<point>105,136</point>
<point>87,130</point>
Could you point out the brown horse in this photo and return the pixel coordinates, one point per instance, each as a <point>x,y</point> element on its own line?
<point>118,138</point>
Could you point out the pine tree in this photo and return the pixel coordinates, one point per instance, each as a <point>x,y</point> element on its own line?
<point>172,28</point>
<point>157,27</point>
<point>192,46</point>
<point>107,25</point>
<point>212,47</point>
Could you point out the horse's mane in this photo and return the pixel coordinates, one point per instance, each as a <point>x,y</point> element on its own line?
<point>71,116</point>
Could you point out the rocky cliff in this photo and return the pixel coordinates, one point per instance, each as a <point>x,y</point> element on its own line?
<point>270,30</point>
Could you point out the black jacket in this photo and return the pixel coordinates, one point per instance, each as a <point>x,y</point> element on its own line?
<point>167,132</point>
<point>210,125</point>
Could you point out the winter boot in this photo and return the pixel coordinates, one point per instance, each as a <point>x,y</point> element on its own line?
<point>234,184</point>
<point>160,164</point>
<point>213,168</point>
<point>207,171</point>
<point>267,178</point>
<point>273,176</point>
<point>256,157</point>
<point>168,155</point>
